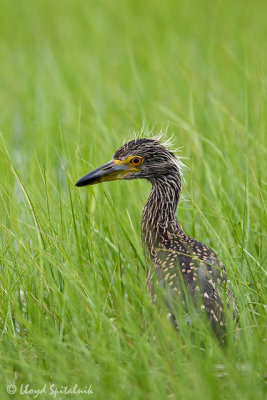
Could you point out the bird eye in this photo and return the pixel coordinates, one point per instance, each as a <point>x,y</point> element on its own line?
<point>136,161</point>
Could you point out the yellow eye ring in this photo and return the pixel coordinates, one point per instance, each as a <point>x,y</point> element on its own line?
<point>136,161</point>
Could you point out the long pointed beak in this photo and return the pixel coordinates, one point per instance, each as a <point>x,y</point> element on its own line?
<point>111,171</point>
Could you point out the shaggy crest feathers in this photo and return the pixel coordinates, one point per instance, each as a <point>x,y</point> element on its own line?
<point>158,145</point>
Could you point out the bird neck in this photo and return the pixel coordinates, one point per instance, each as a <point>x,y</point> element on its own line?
<point>159,220</point>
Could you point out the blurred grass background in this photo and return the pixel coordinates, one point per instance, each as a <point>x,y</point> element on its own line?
<point>78,78</point>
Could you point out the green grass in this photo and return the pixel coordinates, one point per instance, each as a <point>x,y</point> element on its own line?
<point>77,79</point>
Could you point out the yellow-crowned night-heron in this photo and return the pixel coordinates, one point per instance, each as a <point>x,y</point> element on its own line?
<point>182,264</point>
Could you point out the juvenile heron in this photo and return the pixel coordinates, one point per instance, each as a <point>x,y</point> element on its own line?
<point>184,266</point>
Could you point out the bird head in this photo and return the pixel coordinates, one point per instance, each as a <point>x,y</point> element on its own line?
<point>140,158</point>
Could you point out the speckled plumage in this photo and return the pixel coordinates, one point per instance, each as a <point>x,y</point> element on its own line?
<point>180,262</point>
<point>186,268</point>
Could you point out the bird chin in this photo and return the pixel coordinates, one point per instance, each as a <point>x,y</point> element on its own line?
<point>131,176</point>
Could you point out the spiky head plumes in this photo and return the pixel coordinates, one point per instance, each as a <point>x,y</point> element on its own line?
<point>155,159</point>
